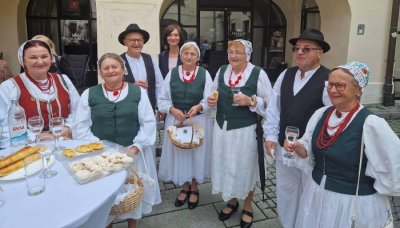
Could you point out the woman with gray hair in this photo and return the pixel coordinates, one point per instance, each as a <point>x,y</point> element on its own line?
<point>183,97</point>
<point>244,90</point>
<point>354,157</point>
<point>118,111</point>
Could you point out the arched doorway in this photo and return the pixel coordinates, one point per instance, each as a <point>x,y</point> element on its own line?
<point>212,23</point>
<point>71,25</point>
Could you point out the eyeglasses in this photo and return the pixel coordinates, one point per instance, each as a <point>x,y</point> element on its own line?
<point>338,86</point>
<point>135,40</point>
<point>235,53</point>
<point>305,50</point>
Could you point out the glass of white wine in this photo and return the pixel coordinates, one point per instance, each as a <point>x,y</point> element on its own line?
<point>235,90</point>
<point>291,133</point>
<point>56,125</point>
<point>35,125</point>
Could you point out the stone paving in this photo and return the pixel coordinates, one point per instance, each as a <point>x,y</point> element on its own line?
<point>265,214</point>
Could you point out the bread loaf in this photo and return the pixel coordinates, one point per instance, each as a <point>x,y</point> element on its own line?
<point>19,155</point>
<point>15,166</point>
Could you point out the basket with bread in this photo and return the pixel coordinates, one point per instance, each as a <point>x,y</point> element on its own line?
<point>15,161</point>
<point>186,137</point>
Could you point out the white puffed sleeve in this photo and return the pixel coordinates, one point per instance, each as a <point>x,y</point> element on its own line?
<point>382,148</point>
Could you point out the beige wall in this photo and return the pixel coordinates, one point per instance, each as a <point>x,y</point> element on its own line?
<point>10,36</point>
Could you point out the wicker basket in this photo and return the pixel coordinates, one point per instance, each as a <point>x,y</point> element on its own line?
<point>132,200</point>
<point>180,145</point>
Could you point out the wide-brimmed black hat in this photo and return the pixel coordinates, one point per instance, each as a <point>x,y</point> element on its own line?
<point>314,35</point>
<point>133,28</point>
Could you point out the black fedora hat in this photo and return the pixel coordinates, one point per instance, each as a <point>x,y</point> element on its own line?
<point>133,28</point>
<point>314,35</point>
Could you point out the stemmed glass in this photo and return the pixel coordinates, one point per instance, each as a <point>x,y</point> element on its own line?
<point>47,142</point>
<point>2,201</point>
<point>235,90</point>
<point>291,133</point>
<point>56,125</point>
<point>35,125</point>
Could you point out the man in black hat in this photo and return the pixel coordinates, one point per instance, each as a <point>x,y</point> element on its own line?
<point>297,93</point>
<point>142,70</point>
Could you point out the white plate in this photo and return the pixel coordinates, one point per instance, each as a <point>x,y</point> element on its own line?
<point>20,173</point>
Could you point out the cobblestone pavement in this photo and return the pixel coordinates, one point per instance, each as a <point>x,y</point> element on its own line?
<point>265,212</point>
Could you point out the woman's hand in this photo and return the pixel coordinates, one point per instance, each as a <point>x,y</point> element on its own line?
<point>160,116</point>
<point>134,150</point>
<point>177,113</point>
<point>211,101</point>
<point>270,148</point>
<point>295,147</point>
<point>66,133</point>
<point>194,110</point>
<point>242,99</point>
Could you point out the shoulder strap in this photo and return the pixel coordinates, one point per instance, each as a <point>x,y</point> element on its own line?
<point>355,202</point>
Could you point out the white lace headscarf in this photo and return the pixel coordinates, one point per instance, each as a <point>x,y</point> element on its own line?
<point>192,44</point>
<point>248,48</point>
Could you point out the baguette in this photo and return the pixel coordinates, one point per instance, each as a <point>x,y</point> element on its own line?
<point>15,166</point>
<point>19,155</point>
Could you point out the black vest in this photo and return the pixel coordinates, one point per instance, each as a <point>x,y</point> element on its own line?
<point>151,76</point>
<point>340,161</point>
<point>297,110</point>
<point>163,62</point>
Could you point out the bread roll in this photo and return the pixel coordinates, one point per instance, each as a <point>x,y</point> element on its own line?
<point>19,155</point>
<point>15,166</point>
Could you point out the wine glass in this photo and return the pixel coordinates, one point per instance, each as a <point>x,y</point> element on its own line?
<point>235,90</point>
<point>46,141</point>
<point>2,198</point>
<point>56,125</point>
<point>291,133</point>
<point>35,125</point>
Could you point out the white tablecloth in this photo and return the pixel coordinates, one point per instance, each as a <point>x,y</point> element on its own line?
<point>64,203</point>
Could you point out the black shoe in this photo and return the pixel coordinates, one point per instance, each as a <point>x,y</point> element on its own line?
<point>193,205</point>
<point>244,224</point>
<point>179,202</point>
<point>222,216</point>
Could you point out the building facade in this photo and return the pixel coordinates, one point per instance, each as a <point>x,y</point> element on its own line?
<point>355,29</point>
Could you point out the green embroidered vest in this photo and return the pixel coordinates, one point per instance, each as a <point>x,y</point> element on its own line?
<point>186,95</point>
<point>117,122</point>
<point>236,116</point>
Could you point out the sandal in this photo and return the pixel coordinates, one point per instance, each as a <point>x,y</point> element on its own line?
<point>179,202</point>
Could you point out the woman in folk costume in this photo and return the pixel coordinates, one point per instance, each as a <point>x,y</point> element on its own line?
<point>234,154</point>
<point>121,112</point>
<point>183,97</point>
<point>38,91</point>
<point>354,156</point>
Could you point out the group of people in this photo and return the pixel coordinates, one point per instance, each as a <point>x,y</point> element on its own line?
<point>342,168</point>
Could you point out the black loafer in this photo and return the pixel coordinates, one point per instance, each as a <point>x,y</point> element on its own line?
<point>193,205</point>
<point>244,224</point>
<point>179,202</point>
<point>222,216</point>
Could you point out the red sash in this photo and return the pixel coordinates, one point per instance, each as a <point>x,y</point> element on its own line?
<point>59,106</point>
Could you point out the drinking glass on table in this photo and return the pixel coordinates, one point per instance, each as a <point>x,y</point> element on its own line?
<point>291,133</point>
<point>2,201</point>
<point>56,125</point>
<point>47,142</point>
<point>235,90</point>
<point>35,125</point>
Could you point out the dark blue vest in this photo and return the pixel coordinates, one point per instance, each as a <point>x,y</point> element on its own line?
<point>163,62</point>
<point>340,161</point>
<point>297,110</point>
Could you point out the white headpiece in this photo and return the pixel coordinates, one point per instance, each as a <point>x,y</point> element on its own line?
<point>21,53</point>
<point>248,47</point>
<point>190,43</point>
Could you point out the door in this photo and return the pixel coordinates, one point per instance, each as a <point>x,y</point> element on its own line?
<point>217,27</point>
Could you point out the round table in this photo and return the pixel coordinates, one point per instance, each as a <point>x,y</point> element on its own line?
<point>64,203</point>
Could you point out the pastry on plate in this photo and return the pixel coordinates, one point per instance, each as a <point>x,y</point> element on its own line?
<point>84,149</point>
<point>96,146</point>
<point>70,153</point>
